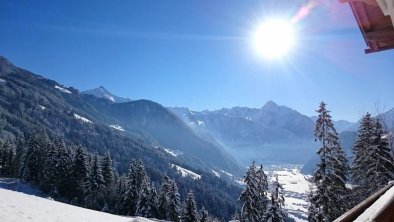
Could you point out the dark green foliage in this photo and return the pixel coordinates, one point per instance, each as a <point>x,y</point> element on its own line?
<point>372,166</point>
<point>80,175</point>
<point>203,215</point>
<point>254,195</point>
<point>164,199</point>
<point>189,211</point>
<point>275,211</point>
<point>107,170</point>
<point>174,203</point>
<point>327,201</point>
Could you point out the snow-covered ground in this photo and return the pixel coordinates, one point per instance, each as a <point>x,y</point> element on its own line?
<point>296,188</point>
<point>83,119</point>
<point>117,127</point>
<point>62,89</point>
<point>185,172</point>
<point>18,206</point>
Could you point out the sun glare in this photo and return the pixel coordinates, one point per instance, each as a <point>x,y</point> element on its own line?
<point>274,38</point>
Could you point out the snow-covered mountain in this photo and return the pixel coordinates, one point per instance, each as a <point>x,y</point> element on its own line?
<point>340,125</point>
<point>270,134</point>
<point>102,92</point>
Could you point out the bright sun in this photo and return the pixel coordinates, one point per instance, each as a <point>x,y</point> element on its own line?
<point>274,38</point>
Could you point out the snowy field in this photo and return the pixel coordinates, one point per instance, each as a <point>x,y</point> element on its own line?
<point>23,206</point>
<point>296,188</point>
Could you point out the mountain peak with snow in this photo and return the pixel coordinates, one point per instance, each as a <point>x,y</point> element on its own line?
<point>102,92</point>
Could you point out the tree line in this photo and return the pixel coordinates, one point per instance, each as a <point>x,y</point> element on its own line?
<point>372,167</point>
<point>70,174</point>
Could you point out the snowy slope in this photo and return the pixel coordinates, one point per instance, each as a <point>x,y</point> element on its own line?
<point>296,188</point>
<point>21,207</point>
<point>185,172</point>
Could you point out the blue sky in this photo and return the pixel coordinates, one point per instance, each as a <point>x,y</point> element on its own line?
<point>198,53</point>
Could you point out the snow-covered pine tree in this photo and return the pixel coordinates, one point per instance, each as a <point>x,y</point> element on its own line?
<point>275,211</point>
<point>381,170</point>
<point>19,155</point>
<point>7,160</point>
<point>80,175</point>
<point>95,197</point>
<point>163,199</point>
<point>63,168</point>
<point>249,196</point>
<point>96,177</point>
<point>146,200</point>
<point>189,211</point>
<point>361,159</point>
<point>174,202</point>
<point>328,199</point>
<point>33,168</point>
<point>203,215</point>
<point>135,178</point>
<point>107,171</point>
<point>262,191</point>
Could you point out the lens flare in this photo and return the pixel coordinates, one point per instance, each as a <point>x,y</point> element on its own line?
<point>304,11</point>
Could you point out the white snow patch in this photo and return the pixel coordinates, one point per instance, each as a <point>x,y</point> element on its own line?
<point>117,127</point>
<point>377,208</point>
<point>227,173</point>
<point>215,173</point>
<point>200,123</point>
<point>42,107</point>
<point>62,89</point>
<point>110,98</point>
<point>2,81</point>
<point>185,172</point>
<point>240,181</point>
<point>20,207</point>
<point>83,119</point>
<point>173,152</point>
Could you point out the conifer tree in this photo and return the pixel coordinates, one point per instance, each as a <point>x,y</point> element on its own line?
<point>80,175</point>
<point>136,176</point>
<point>249,197</point>
<point>146,200</point>
<point>63,168</point>
<point>262,189</point>
<point>328,200</point>
<point>275,211</point>
<point>189,212</point>
<point>19,155</point>
<point>96,176</point>
<point>35,159</point>
<point>381,170</point>
<point>107,169</point>
<point>203,215</point>
<point>174,203</point>
<point>361,158</point>
<point>163,199</point>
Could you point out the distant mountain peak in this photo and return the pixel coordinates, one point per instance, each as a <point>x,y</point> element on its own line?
<point>6,66</point>
<point>270,105</point>
<point>102,92</point>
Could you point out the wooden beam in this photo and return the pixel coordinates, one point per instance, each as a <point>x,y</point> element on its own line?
<point>381,35</point>
<point>369,2</point>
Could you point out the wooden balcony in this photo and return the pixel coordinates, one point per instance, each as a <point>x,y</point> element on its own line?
<point>379,207</point>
